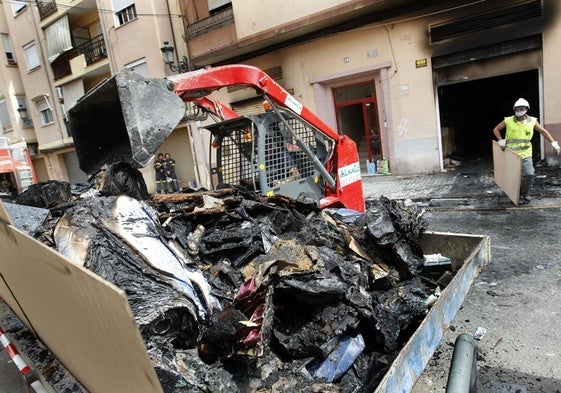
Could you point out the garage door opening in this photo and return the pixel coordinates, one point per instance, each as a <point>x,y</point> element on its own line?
<point>470,110</point>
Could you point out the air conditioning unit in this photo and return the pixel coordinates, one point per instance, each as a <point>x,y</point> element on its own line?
<point>59,93</point>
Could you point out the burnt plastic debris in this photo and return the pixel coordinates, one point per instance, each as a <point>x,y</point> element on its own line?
<point>348,349</point>
<point>45,194</point>
<point>120,178</point>
<point>233,291</point>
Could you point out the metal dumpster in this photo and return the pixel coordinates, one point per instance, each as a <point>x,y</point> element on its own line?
<point>87,325</point>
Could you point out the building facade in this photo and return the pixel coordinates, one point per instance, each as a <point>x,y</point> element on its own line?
<point>413,82</point>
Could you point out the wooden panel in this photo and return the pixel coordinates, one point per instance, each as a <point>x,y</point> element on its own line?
<point>5,292</point>
<point>85,321</point>
<point>507,166</point>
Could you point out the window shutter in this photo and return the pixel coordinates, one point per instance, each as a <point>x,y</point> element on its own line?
<point>214,4</point>
<point>119,5</point>
<point>31,57</point>
<point>5,117</point>
<point>72,92</point>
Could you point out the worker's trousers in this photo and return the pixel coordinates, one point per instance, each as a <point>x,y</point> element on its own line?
<point>527,179</point>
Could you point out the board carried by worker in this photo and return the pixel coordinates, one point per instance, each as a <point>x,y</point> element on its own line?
<point>507,169</point>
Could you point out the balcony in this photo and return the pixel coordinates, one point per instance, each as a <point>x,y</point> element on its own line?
<point>93,50</point>
<point>210,24</point>
<point>45,8</point>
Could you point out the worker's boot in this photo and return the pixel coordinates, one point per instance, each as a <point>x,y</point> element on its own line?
<point>525,188</point>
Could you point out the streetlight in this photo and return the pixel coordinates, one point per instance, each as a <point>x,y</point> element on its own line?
<point>22,110</point>
<point>168,57</point>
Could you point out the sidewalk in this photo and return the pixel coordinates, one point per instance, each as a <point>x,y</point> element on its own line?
<point>471,184</point>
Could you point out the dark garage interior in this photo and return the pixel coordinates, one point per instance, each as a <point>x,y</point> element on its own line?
<point>470,110</point>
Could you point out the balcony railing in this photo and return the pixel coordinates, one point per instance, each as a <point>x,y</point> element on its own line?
<point>93,50</point>
<point>45,7</point>
<point>211,23</point>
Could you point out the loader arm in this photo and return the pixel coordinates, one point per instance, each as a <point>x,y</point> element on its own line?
<point>215,107</point>
<point>196,84</point>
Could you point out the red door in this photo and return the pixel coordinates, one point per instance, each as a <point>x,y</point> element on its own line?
<point>357,117</point>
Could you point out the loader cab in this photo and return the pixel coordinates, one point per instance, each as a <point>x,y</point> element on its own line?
<point>263,153</point>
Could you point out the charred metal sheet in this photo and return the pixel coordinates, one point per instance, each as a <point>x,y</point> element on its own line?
<point>118,239</point>
<point>26,218</point>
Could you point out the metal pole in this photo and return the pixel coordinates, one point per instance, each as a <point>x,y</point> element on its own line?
<point>462,377</point>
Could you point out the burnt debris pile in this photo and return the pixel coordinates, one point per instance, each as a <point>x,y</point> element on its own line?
<point>236,292</point>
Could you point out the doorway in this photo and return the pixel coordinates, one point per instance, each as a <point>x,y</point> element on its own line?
<point>357,117</point>
<point>470,110</point>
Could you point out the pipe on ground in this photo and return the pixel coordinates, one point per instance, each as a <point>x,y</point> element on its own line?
<point>462,377</point>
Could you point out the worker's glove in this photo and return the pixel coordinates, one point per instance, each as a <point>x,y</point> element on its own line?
<point>555,147</point>
<point>502,144</point>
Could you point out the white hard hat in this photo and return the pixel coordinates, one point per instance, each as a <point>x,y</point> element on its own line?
<point>521,102</point>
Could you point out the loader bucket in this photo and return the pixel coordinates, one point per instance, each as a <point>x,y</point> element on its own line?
<point>124,118</point>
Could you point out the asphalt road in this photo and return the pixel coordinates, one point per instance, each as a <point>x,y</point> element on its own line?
<point>10,379</point>
<point>515,300</point>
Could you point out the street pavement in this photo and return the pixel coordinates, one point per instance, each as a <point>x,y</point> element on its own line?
<point>10,379</point>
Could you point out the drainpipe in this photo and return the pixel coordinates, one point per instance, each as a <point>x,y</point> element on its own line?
<point>173,37</point>
<point>462,377</point>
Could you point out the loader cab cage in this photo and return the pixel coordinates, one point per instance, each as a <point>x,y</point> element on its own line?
<point>260,152</point>
<point>234,152</point>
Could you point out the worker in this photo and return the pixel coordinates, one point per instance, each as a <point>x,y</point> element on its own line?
<point>161,178</point>
<point>170,172</point>
<point>518,137</point>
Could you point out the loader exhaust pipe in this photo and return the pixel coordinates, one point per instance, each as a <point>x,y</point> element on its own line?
<point>125,118</point>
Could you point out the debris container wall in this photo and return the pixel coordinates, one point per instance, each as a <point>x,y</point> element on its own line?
<point>469,253</point>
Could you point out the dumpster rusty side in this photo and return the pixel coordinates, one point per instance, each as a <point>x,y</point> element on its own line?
<point>469,253</point>
<point>87,325</point>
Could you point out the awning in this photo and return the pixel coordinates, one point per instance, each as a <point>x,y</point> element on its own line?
<point>58,39</point>
<point>8,164</point>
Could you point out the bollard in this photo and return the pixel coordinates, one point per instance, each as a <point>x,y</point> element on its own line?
<point>462,377</point>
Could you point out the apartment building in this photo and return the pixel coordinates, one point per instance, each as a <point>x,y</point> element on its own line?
<point>56,51</point>
<point>412,82</point>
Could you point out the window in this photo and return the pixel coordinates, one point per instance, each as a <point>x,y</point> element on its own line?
<point>139,67</point>
<point>5,117</point>
<point>8,49</point>
<point>31,56</point>
<point>17,6</point>
<point>216,5</point>
<point>125,11</point>
<point>126,15</point>
<point>45,111</point>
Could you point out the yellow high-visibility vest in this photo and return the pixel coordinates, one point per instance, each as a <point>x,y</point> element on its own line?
<point>519,135</point>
